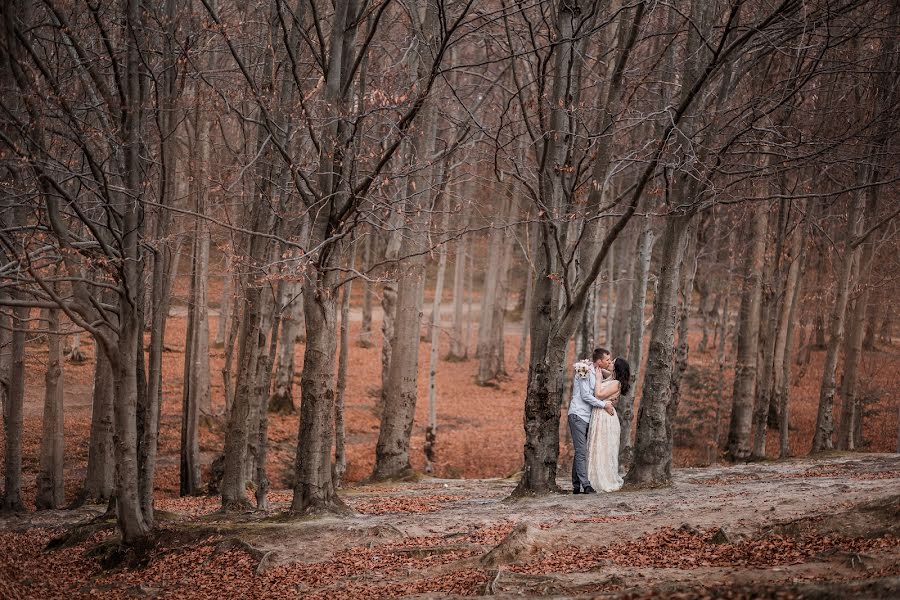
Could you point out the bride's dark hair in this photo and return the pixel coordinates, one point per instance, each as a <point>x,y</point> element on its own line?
<point>622,373</point>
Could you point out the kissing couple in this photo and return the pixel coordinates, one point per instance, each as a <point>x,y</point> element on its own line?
<point>593,423</point>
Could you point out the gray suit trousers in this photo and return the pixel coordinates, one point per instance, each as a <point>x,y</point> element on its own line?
<point>579,430</point>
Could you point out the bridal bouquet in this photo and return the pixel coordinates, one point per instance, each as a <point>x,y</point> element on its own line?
<point>583,368</point>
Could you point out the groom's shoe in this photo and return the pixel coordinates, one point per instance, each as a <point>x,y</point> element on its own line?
<point>576,490</point>
<point>589,490</point>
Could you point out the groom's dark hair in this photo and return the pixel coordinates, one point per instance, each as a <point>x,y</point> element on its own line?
<point>599,353</point>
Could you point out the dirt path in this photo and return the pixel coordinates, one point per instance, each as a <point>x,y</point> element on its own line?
<point>823,528</point>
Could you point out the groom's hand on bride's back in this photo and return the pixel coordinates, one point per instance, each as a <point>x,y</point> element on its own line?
<point>609,408</point>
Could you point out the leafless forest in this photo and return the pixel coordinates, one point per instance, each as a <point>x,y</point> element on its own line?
<point>262,261</point>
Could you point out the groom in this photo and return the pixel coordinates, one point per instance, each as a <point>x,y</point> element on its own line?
<point>583,400</point>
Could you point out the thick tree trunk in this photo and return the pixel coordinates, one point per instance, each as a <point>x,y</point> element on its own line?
<point>132,520</point>
<point>748,339</point>
<point>100,479</point>
<point>239,419</point>
<point>766,407</point>
<point>640,275</point>
<point>50,491</point>
<point>652,464</point>
<point>851,409</point>
<point>400,389</point>
<point>13,415</point>
<point>314,486</point>
<point>487,350</point>
<point>823,436</point>
<point>682,348</point>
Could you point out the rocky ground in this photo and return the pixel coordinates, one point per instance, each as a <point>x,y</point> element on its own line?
<point>824,528</point>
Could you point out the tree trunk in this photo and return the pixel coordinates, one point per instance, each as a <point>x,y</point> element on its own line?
<point>682,348</point>
<point>431,428</point>
<point>389,301</point>
<point>625,410</point>
<point>851,409</point>
<point>458,345</point>
<point>13,414</point>
<point>652,464</point>
<point>487,350</point>
<point>529,300</point>
<point>50,491</point>
<point>74,352</point>
<point>772,305</point>
<point>365,330</point>
<point>189,464</point>
<point>132,519</point>
<point>748,339</point>
<point>224,303</point>
<point>624,292</point>
<point>282,401</point>
<point>100,479</point>
<point>314,486</point>
<point>822,438</point>
<point>784,344</point>
<point>400,389</point>
<point>340,439</point>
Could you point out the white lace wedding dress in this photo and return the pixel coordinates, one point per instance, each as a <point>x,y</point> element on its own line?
<point>603,451</point>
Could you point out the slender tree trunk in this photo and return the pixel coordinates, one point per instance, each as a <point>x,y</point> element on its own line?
<point>822,438</point>
<point>224,303</point>
<point>458,345</point>
<point>189,464</point>
<point>431,428</point>
<point>529,301</point>
<point>389,302</point>
<point>624,294</point>
<point>784,344</point>
<point>282,401</point>
<point>50,491</point>
<point>340,439</point>
<point>365,330</point>
<point>748,340</point>
<point>652,464</point>
<point>13,415</point>
<point>625,410</point>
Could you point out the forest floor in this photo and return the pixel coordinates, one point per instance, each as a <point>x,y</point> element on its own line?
<point>824,528</point>
<point>429,537</point>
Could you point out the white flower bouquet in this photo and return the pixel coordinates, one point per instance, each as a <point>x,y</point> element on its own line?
<point>583,368</point>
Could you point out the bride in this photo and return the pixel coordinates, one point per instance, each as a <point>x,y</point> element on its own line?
<point>603,433</point>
